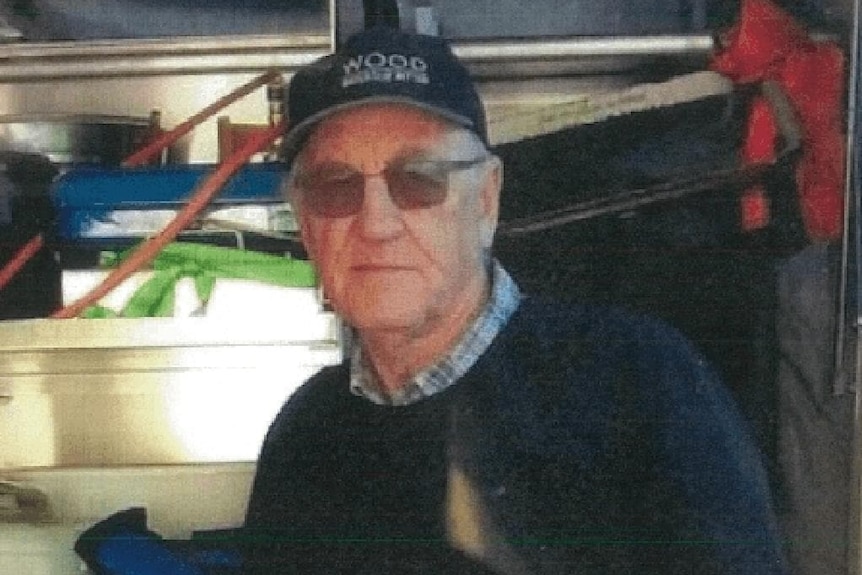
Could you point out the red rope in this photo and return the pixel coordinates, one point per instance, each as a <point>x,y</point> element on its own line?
<point>149,151</point>
<point>20,259</point>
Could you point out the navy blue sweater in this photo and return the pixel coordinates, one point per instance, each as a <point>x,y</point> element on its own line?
<point>601,443</point>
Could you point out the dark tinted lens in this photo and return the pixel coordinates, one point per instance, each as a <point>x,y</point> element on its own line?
<point>416,187</point>
<point>332,193</point>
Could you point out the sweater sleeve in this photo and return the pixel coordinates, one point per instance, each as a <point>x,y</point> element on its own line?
<point>708,459</point>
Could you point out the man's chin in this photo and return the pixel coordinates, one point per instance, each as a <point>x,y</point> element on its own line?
<point>387,323</point>
<point>392,318</point>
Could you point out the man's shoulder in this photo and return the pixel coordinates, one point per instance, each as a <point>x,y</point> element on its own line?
<point>327,381</point>
<point>613,326</point>
<point>322,393</point>
<point>587,348</point>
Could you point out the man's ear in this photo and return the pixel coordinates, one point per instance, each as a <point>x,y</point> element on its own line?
<point>305,235</point>
<point>490,201</point>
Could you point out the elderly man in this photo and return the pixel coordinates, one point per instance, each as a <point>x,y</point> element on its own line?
<point>473,429</point>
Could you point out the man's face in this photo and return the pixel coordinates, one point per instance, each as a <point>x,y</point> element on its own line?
<point>387,267</point>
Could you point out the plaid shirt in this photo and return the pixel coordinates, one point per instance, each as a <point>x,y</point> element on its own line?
<point>504,300</point>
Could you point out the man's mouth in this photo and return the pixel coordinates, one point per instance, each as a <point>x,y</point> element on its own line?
<point>372,267</point>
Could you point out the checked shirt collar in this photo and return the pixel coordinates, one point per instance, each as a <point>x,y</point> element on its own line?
<point>502,303</point>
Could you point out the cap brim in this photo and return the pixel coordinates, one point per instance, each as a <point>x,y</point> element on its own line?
<point>296,135</point>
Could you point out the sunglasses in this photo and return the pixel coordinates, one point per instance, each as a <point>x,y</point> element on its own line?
<point>336,190</point>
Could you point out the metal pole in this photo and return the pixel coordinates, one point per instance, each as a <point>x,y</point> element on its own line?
<point>850,242</point>
<point>853,202</point>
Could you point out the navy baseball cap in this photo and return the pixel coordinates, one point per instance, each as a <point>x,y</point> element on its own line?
<point>383,65</point>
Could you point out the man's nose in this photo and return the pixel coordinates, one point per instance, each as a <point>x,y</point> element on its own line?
<point>379,217</point>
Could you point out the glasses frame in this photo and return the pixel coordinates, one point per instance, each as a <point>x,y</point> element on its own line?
<point>433,182</point>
